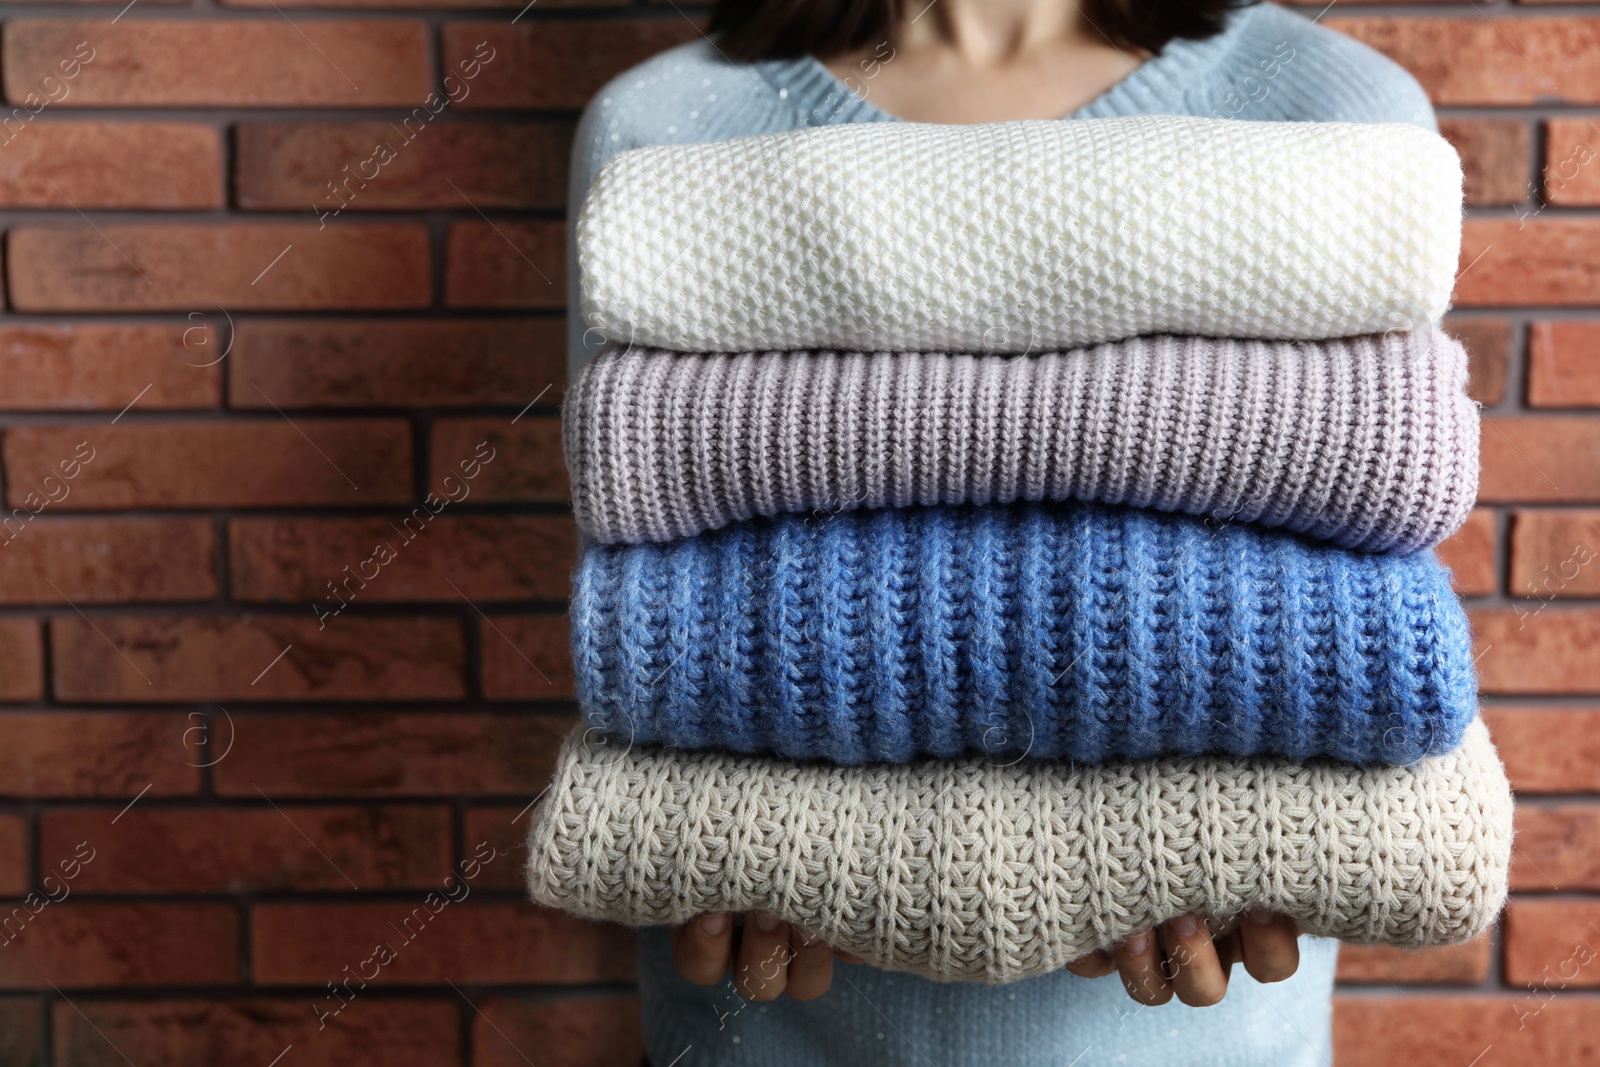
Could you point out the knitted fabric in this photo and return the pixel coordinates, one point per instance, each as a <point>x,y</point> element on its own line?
<point>1369,442</point>
<point>691,93</point>
<point>1022,236</point>
<point>1060,631</point>
<point>970,870</point>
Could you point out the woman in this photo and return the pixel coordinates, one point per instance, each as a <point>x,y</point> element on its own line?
<point>775,65</point>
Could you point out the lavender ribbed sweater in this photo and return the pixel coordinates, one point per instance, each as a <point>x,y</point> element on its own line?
<point>1369,442</point>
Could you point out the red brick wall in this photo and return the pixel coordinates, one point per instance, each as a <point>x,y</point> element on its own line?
<point>221,801</point>
<point>1517,87</point>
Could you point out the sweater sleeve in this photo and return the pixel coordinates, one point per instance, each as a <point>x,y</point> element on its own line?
<point>1288,67</point>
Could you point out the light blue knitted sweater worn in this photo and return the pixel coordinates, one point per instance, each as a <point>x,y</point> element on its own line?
<point>870,1017</point>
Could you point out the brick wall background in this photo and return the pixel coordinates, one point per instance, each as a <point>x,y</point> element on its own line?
<point>216,402</point>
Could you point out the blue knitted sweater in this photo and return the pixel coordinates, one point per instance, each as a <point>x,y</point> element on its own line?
<point>1052,630</point>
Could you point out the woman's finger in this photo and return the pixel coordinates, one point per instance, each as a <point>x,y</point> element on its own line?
<point>1271,951</point>
<point>1192,965</point>
<point>701,948</point>
<point>811,969</point>
<point>1094,965</point>
<point>848,957</point>
<point>762,969</point>
<point>1138,960</point>
<point>1229,951</point>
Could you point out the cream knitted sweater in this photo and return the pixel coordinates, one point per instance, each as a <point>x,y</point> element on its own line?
<point>971,870</point>
<point>1368,442</point>
<point>1022,236</point>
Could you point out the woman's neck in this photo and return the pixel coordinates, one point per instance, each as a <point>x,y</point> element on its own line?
<point>963,61</point>
<point>989,32</point>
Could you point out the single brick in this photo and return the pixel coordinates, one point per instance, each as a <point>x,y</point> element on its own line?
<point>1572,161</point>
<point>21,1039</point>
<point>1553,944</point>
<point>1475,59</point>
<point>267,62</point>
<point>262,657</point>
<point>505,829</point>
<point>262,462</point>
<point>525,657</point>
<point>1488,345</point>
<point>413,754</point>
<point>1469,553</point>
<point>1540,460</point>
<point>505,265</point>
<point>1494,156</point>
<point>433,939</point>
<point>584,1031</point>
<point>21,660</point>
<point>1464,964</point>
<point>411,556</point>
<point>79,945</point>
<point>286,846</point>
<point>1555,554</point>
<point>1465,1030</point>
<point>85,165</point>
<point>94,367</point>
<point>1536,649</point>
<point>216,267</point>
<point>1564,364</point>
<point>1544,261</point>
<point>411,162</point>
<point>180,1032</point>
<point>58,561</point>
<point>16,871</point>
<point>437,363</point>
<point>1558,848</point>
<point>1548,750</point>
<point>60,753</point>
<point>527,466</point>
<point>65,864</point>
<point>554,64</point>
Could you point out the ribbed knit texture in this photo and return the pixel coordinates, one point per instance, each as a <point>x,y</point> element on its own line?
<point>1369,442</point>
<point>1022,236</point>
<point>969,870</point>
<point>1063,631</point>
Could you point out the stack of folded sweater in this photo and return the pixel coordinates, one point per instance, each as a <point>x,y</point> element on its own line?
<point>1003,538</point>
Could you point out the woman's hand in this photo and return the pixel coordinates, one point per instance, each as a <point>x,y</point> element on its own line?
<point>773,956</point>
<point>1184,959</point>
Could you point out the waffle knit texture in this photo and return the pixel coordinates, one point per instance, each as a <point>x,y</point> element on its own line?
<point>1022,236</point>
<point>1369,442</point>
<point>969,870</point>
<point>1079,632</point>
<point>1268,64</point>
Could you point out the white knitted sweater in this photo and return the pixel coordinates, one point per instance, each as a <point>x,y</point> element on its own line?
<point>1022,236</point>
<point>969,870</point>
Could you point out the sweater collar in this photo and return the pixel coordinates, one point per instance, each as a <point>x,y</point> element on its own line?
<point>1158,85</point>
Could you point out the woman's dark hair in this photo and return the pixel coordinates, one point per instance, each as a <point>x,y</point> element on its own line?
<point>786,29</point>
